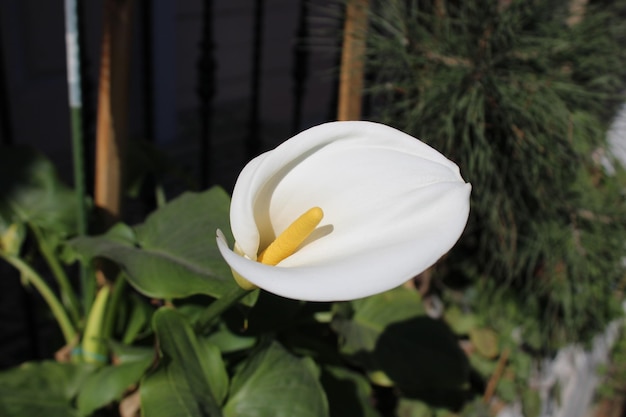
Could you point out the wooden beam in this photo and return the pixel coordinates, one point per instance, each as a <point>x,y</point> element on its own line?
<point>112,124</point>
<point>352,60</point>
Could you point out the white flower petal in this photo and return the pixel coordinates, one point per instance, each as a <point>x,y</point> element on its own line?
<point>392,204</point>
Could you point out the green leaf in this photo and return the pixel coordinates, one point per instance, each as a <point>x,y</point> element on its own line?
<point>191,379</point>
<point>271,313</point>
<point>485,341</point>
<point>274,383</point>
<point>422,353</point>
<point>215,370</point>
<point>201,360</point>
<point>11,237</point>
<point>228,342</point>
<point>123,353</point>
<point>390,338</point>
<point>460,322</point>
<point>166,393</point>
<point>365,319</point>
<point>483,366</point>
<point>413,408</point>
<point>31,192</point>
<point>108,384</point>
<point>85,248</point>
<point>174,254</point>
<point>531,403</point>
<point>44,388</point>
<point>137,322</point>
<point>507,390</point>
<point>349,393</point>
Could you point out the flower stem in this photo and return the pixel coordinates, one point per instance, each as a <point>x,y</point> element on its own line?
<point>213,311</point>
<point>75,93</point>
<point>67,291</point>
<point>59,313</point>
<point>119,286</point>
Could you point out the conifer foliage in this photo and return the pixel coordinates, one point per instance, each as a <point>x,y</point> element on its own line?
<point>520,94</point>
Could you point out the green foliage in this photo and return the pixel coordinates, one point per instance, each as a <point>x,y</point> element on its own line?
<point>519,96</point>
<point>389,336</point>
<point>109,384</point>
<point>614,374</point>
<point>263,357</point>
<point>272,382</point>
<point>191,379</point>
<point>41,388</point>
<point>33,199</point>
<point>173,253</point>
<point>349,393</point>
<point>31,193</point>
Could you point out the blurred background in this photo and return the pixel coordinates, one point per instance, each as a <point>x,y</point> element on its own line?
<point>269,67</point>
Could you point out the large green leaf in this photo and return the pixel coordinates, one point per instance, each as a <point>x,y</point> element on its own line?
<point>349,393</point>
<point>165,393</point>
<point>275,383</point>
<point>31,192</point>
<point>270,314</point>
<point>421,354</point>
<point>41,389</point>
<point>191,379</point>
<point>108,384</point>
<point>360,322</point>
<point>173,254</point>
<point>389,336</point>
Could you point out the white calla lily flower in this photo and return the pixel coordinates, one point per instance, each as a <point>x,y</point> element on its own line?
<point>392,206</point>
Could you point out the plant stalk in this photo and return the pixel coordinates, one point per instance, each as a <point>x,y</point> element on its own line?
<point>116,298</point>
<point>68,296</point>
<point>213,311</point>
<point>72,34</point>
<point>59,313</point>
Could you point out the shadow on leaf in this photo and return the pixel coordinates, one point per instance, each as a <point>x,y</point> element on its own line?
<point>423,358</point>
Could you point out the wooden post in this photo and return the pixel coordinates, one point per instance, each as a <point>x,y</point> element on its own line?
<point>352,60</point>
<point>112,124</point>
<point>112,129</point>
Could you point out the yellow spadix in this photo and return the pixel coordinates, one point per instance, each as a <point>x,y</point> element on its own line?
<point>292,237</point>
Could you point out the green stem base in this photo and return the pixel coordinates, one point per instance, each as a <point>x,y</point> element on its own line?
<point>213,312</point>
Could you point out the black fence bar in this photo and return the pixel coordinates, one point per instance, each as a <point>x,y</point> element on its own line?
<point>253,139</point>
<point>6,124</point>
<point>300,66</point>
<point>87,88</point>
<point>206,92</point>
<point>146,19</point>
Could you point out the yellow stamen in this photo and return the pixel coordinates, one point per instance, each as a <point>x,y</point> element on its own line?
<point>293,236</point>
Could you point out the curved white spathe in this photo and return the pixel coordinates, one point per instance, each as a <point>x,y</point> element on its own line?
<point>392,207</point>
